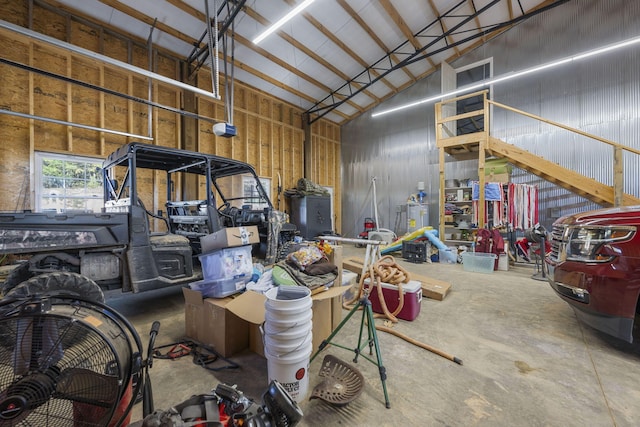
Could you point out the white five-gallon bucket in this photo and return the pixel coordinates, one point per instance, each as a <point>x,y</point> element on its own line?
<point>282,346</point>
<point>288,338</point>
<point>276,324</point>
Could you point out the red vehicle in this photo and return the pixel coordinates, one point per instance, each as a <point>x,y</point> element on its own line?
<point>594,266</point>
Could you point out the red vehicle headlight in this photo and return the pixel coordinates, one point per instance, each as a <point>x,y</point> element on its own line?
<point>584,243</point>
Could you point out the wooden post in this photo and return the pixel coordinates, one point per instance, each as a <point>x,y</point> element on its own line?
<point>481,161</point>
<point>618,176</point>
<point>441,194</point>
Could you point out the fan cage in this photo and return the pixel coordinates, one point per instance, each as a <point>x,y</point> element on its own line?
<point>63,363</point>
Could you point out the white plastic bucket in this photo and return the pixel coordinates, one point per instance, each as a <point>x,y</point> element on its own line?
<point>288,299</point>
<point>288,338</point>
<point>291,371</point>
<point>288,326</point>
<point>276,323</point>
<point>299,306</point>
<point>283,347</point>
<point>294,334</point>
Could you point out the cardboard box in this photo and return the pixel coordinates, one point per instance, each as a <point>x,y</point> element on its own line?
<point>229,238</point>
<point>209,322</point>
<point>499,177</point>
<point>250,307</point>
<point>431,288</point>
<point>240,318</point>
<point>256,343</point>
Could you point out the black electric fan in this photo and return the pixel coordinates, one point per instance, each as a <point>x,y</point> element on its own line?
<point>66,362</point>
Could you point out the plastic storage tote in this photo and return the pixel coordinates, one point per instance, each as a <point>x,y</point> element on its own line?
<point>478,262</point>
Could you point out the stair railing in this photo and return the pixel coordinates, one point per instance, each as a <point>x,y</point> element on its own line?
<point>446,137</point>
<point>618,149</point>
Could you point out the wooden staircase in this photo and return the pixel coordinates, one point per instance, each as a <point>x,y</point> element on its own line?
<point>568,179</point>
<point>479,144</point>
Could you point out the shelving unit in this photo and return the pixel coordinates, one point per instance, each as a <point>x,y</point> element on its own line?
<point>460,197</point>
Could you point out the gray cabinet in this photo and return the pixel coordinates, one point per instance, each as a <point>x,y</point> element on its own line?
<point>312,215</point>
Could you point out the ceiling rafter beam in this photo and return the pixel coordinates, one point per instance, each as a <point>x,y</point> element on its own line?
<point>451,31</point>
<point>295,43</point>
<point>443,26</point>
<point>128,10</point>
<point>490,28</point>
<point>472,5</point>
<point>302,48</point>
<point>356,17</point>
<point>281,85</point>
<point>397,19</point>
<point>329,35</point>
<point>323,107</point>
<point>187,9</point>
<point>451,58</point>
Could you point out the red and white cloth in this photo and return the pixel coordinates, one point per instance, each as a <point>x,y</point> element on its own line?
<point>522,207</point>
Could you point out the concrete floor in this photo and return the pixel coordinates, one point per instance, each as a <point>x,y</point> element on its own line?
<point>527,360</point>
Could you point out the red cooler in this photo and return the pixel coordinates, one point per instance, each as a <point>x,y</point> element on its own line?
<point>411,292</point>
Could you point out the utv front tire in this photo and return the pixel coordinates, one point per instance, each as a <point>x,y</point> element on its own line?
<point>15,277</point>
<point>58,284</point>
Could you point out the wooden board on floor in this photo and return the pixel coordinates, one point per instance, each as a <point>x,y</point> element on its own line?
<point>431,288</point>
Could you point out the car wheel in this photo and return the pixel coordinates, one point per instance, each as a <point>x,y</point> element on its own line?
<point>58,283</point>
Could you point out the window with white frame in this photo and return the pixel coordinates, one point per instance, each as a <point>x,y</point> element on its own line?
<point>65,183</point>
<point>250,192</point>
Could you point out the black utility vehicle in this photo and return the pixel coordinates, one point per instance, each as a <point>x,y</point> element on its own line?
<point>116,248</point>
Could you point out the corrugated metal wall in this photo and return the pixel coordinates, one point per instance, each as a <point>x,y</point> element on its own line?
<point>598,95</point>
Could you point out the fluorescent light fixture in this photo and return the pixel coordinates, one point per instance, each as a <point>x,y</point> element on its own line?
<point>296,10</point>
<point>513,75</point>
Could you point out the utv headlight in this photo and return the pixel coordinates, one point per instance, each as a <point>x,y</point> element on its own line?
<point>584,243</point>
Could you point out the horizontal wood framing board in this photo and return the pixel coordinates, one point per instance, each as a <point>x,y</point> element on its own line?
<point>461,140</point>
